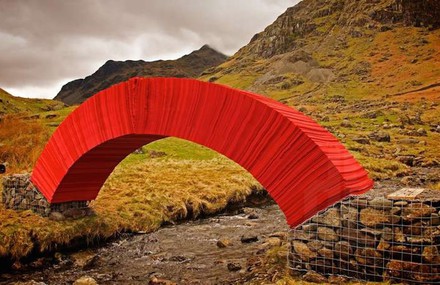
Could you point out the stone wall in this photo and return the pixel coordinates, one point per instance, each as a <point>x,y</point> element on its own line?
<point>376,236</point>
<point>20,194</point>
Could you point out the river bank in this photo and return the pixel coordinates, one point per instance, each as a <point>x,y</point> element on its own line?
<point>226,249</point>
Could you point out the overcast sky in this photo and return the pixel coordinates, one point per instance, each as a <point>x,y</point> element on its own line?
<point>46,43</point>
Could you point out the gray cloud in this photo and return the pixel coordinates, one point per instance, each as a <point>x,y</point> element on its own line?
<point>45,43</point>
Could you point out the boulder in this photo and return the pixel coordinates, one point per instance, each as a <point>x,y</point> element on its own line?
<point>421,132</point>
<point>337,279</point>
<point>416,211</point>
<point>395,210</point>
<point>84,259</point>
<point>356,202</point>
<point>400,203</point>
<point>381,203</point>
<point>395,268</point>
<point>346,124</point>
<point>331,218</point>
<point>139,151</point>
<point>414,228</point>
<point>398,235</point>
<point>412,271</point>
<point>308,228</point>
<point>179,258</point>
<point>409,141</point>
<point>383,245</point>
<point>347,267</point>
<point>435,219</point>
<point>387,234</point>
<point>273,241</point>
<point>234,266</point>
<point>322,265</point>
<point>401,249</point>
<point>314,277</point>
<point>431,254</point>
<point>376,233</point>
<point>303,251</point>
<point>372,218</point>
<point>38,263</point>
<point>301,235</point>
<point>349,213</point>
<point>361,140</point>
<point>406,159</point>
<point>249,238</point>
<point>368,256</point>
<point>280,235</point>
<point>155,154</point>
<point>417,240</point>
<point>315,245</point>
<point>253,216</point>
<point>343,250</point>
<point>433,233</point>
<point>158,281</point>
<point>56,216</point>
<point>326,253</point>
<point>357,236</point>
<point>85,280</point>
<point>222,243</point>
<point>75,213</point>
<point>327,234</point>
<point>380,136</point>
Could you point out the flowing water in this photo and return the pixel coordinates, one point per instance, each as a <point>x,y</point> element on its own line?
<point>186,253</point>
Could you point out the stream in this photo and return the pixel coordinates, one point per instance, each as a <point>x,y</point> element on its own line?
<point>217,250</point>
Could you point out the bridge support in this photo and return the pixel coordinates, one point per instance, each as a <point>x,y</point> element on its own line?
<point>20,194</point>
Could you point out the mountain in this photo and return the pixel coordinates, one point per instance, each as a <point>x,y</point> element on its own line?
<point>354,18</point>
<point>113,72</point>
<point>342,42</point>
<point>367,70</point>
<point>10,104</point>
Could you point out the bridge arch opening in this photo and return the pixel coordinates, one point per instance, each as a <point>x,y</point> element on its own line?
<point>303,167</point>
<point>179,179</point>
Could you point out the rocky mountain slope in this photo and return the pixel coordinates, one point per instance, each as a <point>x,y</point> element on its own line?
<point>368,70</point>
<point>113,72</point>
<point>357,18</point>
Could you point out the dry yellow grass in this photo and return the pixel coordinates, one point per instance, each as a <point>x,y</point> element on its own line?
<point>21,142</point>
<point>141,194</point>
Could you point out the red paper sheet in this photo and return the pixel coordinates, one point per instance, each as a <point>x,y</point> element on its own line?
<point>302,166</point>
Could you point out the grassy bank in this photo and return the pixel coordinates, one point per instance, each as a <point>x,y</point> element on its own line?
<point>140,195</point>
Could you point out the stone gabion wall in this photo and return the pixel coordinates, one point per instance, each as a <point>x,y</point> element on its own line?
<point>372,237</point>
<point>20,194</point>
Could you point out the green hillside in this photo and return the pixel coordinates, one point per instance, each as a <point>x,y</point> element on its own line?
<point>13,105</point>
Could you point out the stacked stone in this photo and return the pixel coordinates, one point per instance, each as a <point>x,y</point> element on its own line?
<point>372,238</point>
<point>20,194</point>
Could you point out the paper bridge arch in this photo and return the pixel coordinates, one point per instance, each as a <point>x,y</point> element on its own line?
<point>302,166</point>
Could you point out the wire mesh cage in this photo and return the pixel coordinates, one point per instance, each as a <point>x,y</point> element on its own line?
<point>20,194</point>
<point>383,235</point>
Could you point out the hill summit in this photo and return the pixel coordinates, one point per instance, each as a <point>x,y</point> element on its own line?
<point>112,72</point>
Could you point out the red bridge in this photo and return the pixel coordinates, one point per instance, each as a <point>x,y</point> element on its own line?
<point>302,166</point>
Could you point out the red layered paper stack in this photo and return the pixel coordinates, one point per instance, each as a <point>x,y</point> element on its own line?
<point>303,166</point>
